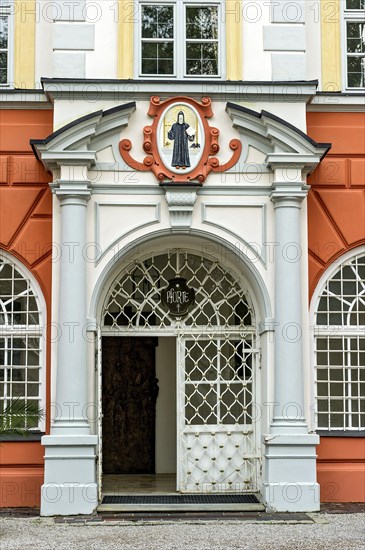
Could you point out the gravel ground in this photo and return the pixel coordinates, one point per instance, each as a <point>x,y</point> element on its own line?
<point>331,531</point>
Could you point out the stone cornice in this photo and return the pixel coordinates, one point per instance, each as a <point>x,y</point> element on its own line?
<point>218,90</point>
<point>76,143</point>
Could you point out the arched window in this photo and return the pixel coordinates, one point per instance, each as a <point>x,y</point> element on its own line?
<point>340,348</point>
<point>21,343</point>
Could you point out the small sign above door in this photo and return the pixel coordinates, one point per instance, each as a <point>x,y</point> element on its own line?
<point>178,297</point>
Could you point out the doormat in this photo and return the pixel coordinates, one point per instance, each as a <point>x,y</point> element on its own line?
<point>180,499</point>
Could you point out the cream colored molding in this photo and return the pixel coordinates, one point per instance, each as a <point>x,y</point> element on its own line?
<point>234,39</point>
<point>24,43</point>
<point>126,16</point>
<point>331,45</point>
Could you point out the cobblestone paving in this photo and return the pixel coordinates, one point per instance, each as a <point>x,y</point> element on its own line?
<point>337,527</point>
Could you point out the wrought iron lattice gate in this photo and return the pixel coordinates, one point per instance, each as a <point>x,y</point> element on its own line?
<point>216,414</point>
<point>217,362</point>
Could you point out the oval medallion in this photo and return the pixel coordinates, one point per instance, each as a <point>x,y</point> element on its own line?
<point>180,138</point>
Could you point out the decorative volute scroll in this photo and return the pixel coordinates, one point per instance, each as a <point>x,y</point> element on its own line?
<point>179,143</point>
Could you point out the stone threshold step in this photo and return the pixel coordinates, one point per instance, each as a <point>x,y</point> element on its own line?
<point>157,507</point>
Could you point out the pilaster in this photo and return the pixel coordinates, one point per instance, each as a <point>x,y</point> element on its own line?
<point>70,479</point>
<point>290,456</point>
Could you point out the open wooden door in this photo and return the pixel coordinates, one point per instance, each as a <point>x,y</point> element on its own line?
<point>130,390</point>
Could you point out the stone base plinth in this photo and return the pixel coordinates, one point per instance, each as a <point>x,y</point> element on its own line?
<point>69,480</point>
<point>290,473</point>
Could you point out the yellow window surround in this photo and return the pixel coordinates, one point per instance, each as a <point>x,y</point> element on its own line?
<point>24,43</point>
<point>233,21</point>
<point>331,45</point>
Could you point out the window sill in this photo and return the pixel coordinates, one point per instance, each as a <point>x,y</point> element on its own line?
<point>341,433</point>
<point>33,436</point>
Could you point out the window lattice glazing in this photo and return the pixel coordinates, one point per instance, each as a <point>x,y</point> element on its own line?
<point>135,298</point>
<point>20,341</point>
<point>218,381</point>
<point>179,39</point>
<point>340,349</point>
<point>354,30</point>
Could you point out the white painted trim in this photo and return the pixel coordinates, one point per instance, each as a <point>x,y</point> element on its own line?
<point>180,40</point>
<point>284,38</point>
<point>69,10</point>
<point>353,103</point>
<point>328,274</point>
<point>282,9</point>
<point>10,11</point>
<point>40,329</point>
<point>73,36</point>
<point>123,234</point>
<point>99,401</point>
<point>348,16</point>
<point>138,39</point>
<point>261,257</point>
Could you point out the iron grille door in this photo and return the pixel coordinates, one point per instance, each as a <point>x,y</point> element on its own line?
<point>217,450</point>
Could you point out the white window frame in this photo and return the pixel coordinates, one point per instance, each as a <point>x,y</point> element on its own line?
<point>349,16</point>
<point>32,330</point>
<point>318,331</point>
<point>180,40</point>
<point>7,9</point>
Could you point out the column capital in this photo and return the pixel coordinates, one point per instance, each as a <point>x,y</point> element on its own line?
<point>77,192</point>
<point>289,193</point>
<point>302,161</point>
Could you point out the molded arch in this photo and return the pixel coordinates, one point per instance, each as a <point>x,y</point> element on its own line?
<point>244,269</point>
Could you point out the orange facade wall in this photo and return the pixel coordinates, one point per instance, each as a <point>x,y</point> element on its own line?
<point>25,232</point>
<point>341,469</point>
<point>336,201</point>
<point>336,224</point>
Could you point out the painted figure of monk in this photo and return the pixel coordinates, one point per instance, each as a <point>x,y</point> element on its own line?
<point>179,135</point>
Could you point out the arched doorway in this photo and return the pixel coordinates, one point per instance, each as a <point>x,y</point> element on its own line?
<point>213,352</point>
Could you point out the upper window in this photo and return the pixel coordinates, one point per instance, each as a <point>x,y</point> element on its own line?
<point>21,344</point>
<point>354,32</point>
<point>180,39</point>
<point>5,41</point>
<point>340,349</point>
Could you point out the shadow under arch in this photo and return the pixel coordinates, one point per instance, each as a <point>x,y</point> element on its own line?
<point>220,248</point>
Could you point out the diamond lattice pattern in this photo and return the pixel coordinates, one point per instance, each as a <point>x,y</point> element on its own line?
<point>217,416</point>
<point>134,298</point>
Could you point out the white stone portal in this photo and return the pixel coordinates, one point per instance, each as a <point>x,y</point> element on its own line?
<point>219,410</point>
